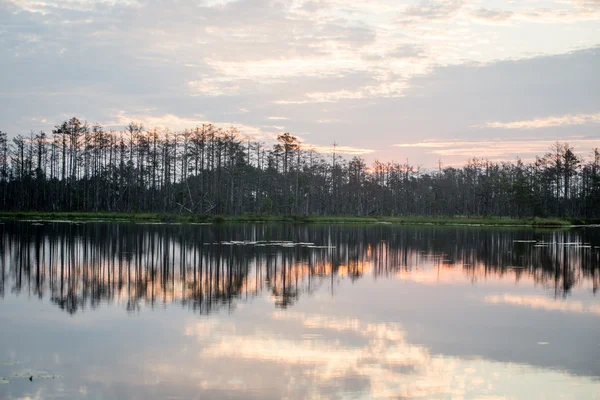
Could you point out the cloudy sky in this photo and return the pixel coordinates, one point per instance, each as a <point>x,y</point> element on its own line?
<point>389,79</point>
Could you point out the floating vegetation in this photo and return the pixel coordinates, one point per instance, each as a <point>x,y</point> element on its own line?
<point>435,256</point>
<point>576,245</point>
<point>35,375</point>
<point>278,243</point>
<point>4,380</point>
<point>524,241</point>
<point>62,221</point>
<point>8,363</point>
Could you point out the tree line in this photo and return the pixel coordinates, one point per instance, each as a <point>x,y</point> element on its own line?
<point>211,170</point>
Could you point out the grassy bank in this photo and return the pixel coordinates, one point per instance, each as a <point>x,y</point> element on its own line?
<point>196,218</point>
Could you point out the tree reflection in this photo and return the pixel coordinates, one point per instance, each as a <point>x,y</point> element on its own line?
<point>207,268</point>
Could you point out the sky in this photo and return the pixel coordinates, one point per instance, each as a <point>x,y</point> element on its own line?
<point>425,80</point>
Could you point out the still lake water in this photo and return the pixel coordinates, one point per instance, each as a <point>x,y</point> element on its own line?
<point>115,311</point>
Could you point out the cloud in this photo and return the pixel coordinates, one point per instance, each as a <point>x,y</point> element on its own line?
<point>494,16</point>
<point>56,6</point>
<point>499,149</point>
<point>559,15</point>
<point>547,122</point>
<point>407,51</point>
<point>326,97</point>
<point>427,10</point>
<point>178,123</point>
<point>347,150</point>
<point>213,88</point>
<point>587,3</point>
<point>576,11</point>
<point>395,89</point>
<point>274,70</point>
<point>166,121</point>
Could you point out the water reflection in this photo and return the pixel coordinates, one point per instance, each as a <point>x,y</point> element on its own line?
<point>543,303</point>
<point>368,360</point>
<point>320,312</point>
<point>204,268</point>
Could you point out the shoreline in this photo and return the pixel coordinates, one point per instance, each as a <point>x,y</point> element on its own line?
<point>215,219</point>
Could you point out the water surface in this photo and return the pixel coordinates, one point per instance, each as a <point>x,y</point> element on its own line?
<point>115,310</point>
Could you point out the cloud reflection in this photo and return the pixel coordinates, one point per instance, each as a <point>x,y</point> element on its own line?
<point>544,303</point>
<point>329,355</point>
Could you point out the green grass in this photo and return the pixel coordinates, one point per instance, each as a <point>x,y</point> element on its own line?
<point>197,218</point>
<point>422,220</point>
<point>78,216</point>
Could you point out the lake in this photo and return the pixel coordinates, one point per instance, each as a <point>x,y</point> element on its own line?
<point>118,310</point>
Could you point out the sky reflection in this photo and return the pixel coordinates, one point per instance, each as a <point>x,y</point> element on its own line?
<point>374,360</point>
<point>377,312</point>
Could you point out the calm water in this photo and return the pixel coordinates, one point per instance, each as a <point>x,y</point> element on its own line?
<point>111,311</point>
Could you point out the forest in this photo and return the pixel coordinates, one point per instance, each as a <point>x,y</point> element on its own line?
<point>209,170</point>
